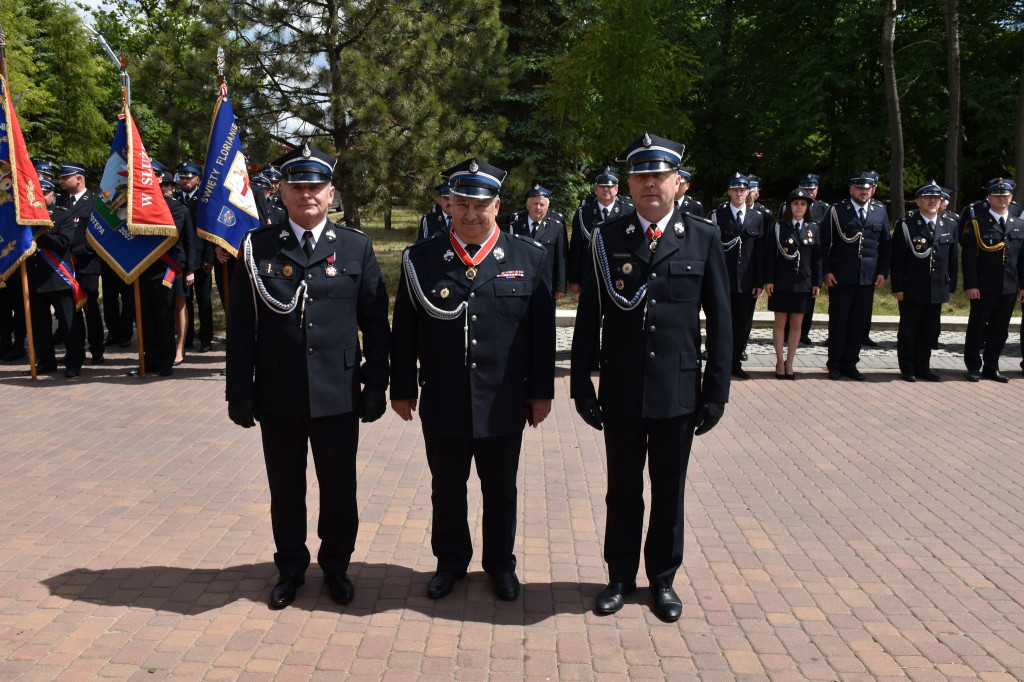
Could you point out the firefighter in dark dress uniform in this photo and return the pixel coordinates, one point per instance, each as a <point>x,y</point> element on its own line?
<point>856,252</point>
<point>79,200</point>
<point>924,272</point>
<point>439,218</point>
<point>684,202</point>
<point>302,292</point>
<point>545,226</point>
<point>743,236</point>
<point>474,308</point>
<point>189,174</point>
<point>604,204</point>
<point>48,288</point>
<point>991,239</point>
<point>816,214</point>
<point>640,314</point>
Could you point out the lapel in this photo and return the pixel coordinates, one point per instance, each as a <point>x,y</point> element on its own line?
<point>326,245</point>
<point>290,246</point>
<point>641,250</point>
<point>668,244</point>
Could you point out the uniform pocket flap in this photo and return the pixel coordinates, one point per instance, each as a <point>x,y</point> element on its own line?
<point>351,356</point>
<point>689,359</point>
<point>512,287</point>
<point>686,267</point>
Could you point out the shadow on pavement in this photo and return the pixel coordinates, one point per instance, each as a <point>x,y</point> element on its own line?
<point>378,588</point>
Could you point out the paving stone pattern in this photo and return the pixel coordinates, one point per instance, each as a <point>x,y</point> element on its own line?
<point>834,531</point>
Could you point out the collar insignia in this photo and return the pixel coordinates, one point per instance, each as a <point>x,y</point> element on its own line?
<point>284,235</point>
<point>449,256</point>
<point>630,230</point>
<point>330,235</point>
<point>499,253</point>
<point>679,229</point>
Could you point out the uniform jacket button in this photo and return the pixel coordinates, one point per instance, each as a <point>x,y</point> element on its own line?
<point>310,351</point>
<point>473,366</point>
<point>472,318</point>
<point>472,295</point>
<point>309,325</point>
<point>650,355</point>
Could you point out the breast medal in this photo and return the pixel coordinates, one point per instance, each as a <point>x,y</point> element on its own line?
<point>287,271</point>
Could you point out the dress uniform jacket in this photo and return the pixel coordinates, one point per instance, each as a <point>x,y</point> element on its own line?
<point>924,262</point>
<point>551,234</point>
<point>42,278</point>
<point>306,363</point>
<point>691,206</point>
<point>586,217</point>
<point>87,263</point>
<point>802,273</point>
<point>861,259</point>
<point>995,272</point>
<point>650,355</point>
<point>432,222</point>
<point>474,383</point>
<point>818,210</point>
<point>743,244</point>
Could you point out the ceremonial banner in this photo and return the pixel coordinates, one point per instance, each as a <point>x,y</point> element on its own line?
<point>22,206</point>
<point>109,233</point>
<point>227,209</point>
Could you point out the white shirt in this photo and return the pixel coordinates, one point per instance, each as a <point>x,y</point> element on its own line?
<point>646,224</point>
<point>76,197</point>
<point>298,231</point>
<point>997,216</point>
<point>736,210</point>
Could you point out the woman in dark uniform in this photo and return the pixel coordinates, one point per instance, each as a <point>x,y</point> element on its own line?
<point>792,275</point>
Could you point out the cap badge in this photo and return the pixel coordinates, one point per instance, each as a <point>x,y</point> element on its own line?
<point>536,186</point>
<point>647,140</point>
<point>473,166</point>
<point>499,253</point>
<point>449,256</point>
<point>306,153</point>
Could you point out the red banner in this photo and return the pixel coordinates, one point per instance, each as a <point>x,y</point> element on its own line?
<point>29,205</point>
<point>148,213</point>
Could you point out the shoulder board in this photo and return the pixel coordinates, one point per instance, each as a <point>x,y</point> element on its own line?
<point>528,240</point>
<point>350,229</point>
<point>59,209</point>
<point>627,200</point>
<point>876,202</point>
<point>558,213</point>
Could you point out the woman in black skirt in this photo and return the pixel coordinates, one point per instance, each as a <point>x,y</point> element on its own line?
<point>792,274</point>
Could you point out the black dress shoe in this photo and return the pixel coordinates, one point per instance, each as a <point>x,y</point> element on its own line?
<point>339,587</point>
<point>41,369</point>
<point>973,376</point>
<point>743,356</point>
<point>791,377</point>
<point>780,376</point>
<point>995,375</point>
<point>869,342</point>
<point>124,343</point>
<point>177,362</point>
<point>166,372</point>
<point>283,593</point>
<point>908,376</point>
<point>506,585</point>
<point>612,597</point>
<point>205,348</point>
<point>835,374</point>
<point>109,341</point>
<point>70,373</point>
<point>667,604</point>
<point>740,373</point>
<point>929,376</point>
<point>96,359</point>
<point>441,584</point>
<point>806,340</point>
<point>854,374</point>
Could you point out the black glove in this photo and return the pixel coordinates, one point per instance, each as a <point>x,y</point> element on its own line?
<point>241,412</point>
<point>590,410</point>
<point>372,404</point>
<point>708,415</point>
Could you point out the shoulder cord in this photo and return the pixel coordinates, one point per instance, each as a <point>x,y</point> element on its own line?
<point>910,243</point>
<point>859,237</point>
<point>298,300</point>
<point>579,214</point>
<point>601,265</point>
<point>730,245</point>
<point>795,256</point>
<point>416,295</point>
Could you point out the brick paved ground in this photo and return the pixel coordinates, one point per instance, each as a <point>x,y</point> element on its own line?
<point>835,531</point>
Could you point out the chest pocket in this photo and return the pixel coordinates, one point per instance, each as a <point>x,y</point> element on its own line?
<point>273,269</point>
<point>685,278</point>
<point>944,238</point>
<point>344,284</point>
<point>1015,233</point>
<point>511,297</point>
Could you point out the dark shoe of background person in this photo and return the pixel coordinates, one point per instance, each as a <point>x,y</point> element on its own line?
<point>667,604</point>
<point>740,373</point>
<point>995,375</point>
<point>284,591</point>
<point>611,598</point>
<point>506,585</point>
<point>806,341</point>
<point>743,356</point>
<point>339,587</point>
<point>441,584</point>
<point>854,374</point>
<point>791,377</point>
<point>908,376</point>
<point>869,342</point>
<point>109,341</point>
<point>41,369</point>
<point>166,372</point>
<point>205,347</point>
<point>71,373</point>
<point>97,359</point>
<point>929,375</point>
<point>124,343</point>
<point>15,353</point>
<point>835,374</point>
<point>973,376</point>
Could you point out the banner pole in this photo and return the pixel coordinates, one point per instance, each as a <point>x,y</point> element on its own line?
<point>28,321</point>
<point>138,325</point>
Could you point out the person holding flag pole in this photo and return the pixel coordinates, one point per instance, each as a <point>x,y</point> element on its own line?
<point>227,206</point>
<point>131,226</point>
<point>22,207</point>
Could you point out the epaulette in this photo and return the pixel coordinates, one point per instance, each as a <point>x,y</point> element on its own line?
<point>724,204</point>
<point>352,229</point>
<point>57,209</point>
<point>529,240</point>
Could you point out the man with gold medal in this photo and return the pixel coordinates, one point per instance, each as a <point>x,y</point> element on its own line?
<point>473,349</point>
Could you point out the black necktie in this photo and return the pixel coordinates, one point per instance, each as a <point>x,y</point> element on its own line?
<point>739,217</point>
<point>931,228</point>
<point>604,212</point>
<point>471,249</point>
<point>1002,224</point>
<point>307,244</point>
<point>533,227</point>
<point>863,215</point>
<point>448,219</point>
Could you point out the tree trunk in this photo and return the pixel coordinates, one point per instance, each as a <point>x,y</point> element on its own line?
<point>892,97</point>
<point>954,134</point>
<point>387,215</point>
<point>1018,155</point>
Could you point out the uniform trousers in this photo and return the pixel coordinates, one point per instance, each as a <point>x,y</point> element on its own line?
<point>12,314</point>
<point>742,306</point>
<point>630,442</point>
<point>218,274</point>
<point>988,324</point>
<point>157,303</point>
<point>497,462</point>
<point>68,326</point>
<point>919,323</point>
<point>333,440</point>
<point>91,320</point>
<point>117,305</point>
<point>849,315</point>
<point>201,291</point>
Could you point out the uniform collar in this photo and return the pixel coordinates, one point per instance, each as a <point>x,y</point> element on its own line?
<point>298,230</point>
